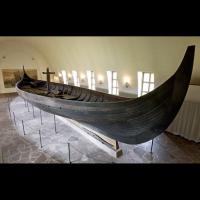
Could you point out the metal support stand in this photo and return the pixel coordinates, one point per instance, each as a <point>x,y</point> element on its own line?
<point>23,127</point>
<point>33,111</point>
<point>9,109</point>
<point>152,146</point>
<point>28,107</point>
<point>68,144</point>
<point>41,116</point>
<point>14,118</point>
<point>40,139</point>
<point>25,102</point>
<point>55,123</point>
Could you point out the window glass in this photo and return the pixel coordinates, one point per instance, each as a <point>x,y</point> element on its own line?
<point>151,86</point>
<point>152,78</point>
<point>114,75</point>
<point>112,83</point>
<point>146,77</point>
<point>145,82</point>
<point>146,87</point>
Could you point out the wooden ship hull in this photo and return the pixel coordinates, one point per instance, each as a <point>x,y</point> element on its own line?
<point>127,120</point>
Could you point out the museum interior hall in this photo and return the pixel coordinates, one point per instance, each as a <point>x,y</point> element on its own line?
<point>99,99</point>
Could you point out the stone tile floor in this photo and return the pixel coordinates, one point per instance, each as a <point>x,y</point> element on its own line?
<point>15,147</point>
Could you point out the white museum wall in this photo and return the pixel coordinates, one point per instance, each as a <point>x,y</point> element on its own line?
<point>18,54</point>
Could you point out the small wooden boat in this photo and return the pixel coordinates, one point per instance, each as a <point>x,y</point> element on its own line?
<point>127,120</point>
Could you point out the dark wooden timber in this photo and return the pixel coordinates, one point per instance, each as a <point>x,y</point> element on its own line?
<point>48,73</point>
<point>128,120</point>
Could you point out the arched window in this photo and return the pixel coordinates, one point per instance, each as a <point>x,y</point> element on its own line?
<point>145,82</point>
<point>75,78</point>
<point>113,87</point>
<point>91,80</point>
<point>64,76</point>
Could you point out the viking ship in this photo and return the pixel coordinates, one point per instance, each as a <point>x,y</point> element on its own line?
<point>128,120</point>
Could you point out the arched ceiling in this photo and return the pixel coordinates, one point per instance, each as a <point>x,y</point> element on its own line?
<point>125,54</point>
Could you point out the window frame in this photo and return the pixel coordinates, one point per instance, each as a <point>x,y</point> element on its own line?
<point>114,89</point>
<point>77,81</point>
<point>91,80</point>
<point>117,86</point>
